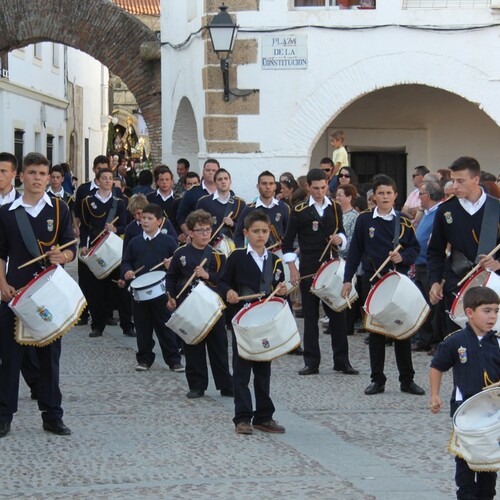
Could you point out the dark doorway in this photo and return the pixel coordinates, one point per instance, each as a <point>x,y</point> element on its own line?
<point>366,164</point>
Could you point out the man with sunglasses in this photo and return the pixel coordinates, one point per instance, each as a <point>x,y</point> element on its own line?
<point>412,203</point>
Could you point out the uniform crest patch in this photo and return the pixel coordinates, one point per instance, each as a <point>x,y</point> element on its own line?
<point>265,344</point>
<point>277,275</point>
<point>93,205</point>
<point>371,232</point>
<point>315,225</point>
<point>278,217</point>
<point>183,260</point>
<point>448,217</point>
<point>50,225</point>
<point>462,354</point>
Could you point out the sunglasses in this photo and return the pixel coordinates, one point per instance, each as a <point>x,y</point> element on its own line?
<point>326,170</point>
<point>347,176</point>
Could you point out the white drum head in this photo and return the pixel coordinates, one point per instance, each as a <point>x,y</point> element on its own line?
<point>148,279</point>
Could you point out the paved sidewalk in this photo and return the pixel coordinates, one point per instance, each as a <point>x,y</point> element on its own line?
<point>136,435</point>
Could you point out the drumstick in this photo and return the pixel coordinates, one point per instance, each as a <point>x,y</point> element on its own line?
<point>193,276</point>
<point>103,231</point>
<point>477,266</point>
<point>306,276</point>
<point>139,269</point>
<point>348,302</point>
<point>496,384</point>
<point>251,297</point>
<point>220,227</point>
<point>41,257</point>
<point>384,264</point>
<point>277,244</point>
<point>291,290</point>
<point>157,266</point>
<point>327,246</point>
<point>272,295</point>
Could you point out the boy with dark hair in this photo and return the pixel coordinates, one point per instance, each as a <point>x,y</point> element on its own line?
<point>56,187</point>
<point>165,196</point>
<point>148,250</point>
<point>316,223</point>
<point>373,240</point>
<point>248,271</point>
<point>98,212</point>
<point>39,208</point>
<point>186,261</point>
<point>8,171</point>
<point>474,356</point>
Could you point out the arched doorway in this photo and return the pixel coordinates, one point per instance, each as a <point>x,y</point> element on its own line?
<point>185,135</point>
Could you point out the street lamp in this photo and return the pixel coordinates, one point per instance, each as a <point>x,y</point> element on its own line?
<point>223,34</point>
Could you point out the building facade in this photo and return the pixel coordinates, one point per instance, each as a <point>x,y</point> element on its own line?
<point>402,78</point>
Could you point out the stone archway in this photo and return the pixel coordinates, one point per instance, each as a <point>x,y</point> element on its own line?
<point>102,30</point>
<point>185,134</point>
<point>368,75</point>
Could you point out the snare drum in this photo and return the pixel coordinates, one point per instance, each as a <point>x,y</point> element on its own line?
<point>476,431</point>
<point>105,256</point>
<point>197,315</point>
<point>265,330</point>
<point>224,245</point>
<point>328,282</point>
<point>395,307</point>
<point>480,278</point>
<point>47,307</point>
<point>148,286</point>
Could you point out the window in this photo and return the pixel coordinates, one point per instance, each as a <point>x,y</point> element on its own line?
<point>37,51</point>
<point>19,152</point>
<point>443,4</point>
<point>344,4</point>
<point>55,55</point>
<point>50,147</point>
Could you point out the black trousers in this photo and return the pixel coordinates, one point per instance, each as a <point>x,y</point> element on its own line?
<point>11,355</point>
<point>242,370</point>
<point>474,485</point>
<point>196,359</point>
<point>102,296</point>
<point>152,315</point>
<point>402,350</point>
<point>338,328</point>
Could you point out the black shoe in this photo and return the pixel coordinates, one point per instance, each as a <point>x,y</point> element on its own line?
<point>367,340</point>
<point>130,332</point>
<point>4,429</point>
<point>298,351</point>
<point>374,388</point>
<point>83,321</point>
<point>327,331</point>
<point>111,321</point>
<point>195,393</point>
<point>34,396</point>
<point>412,388</point>
<point>95,333</point>
<point>308,370</point>
<point>347,370</point>
<point>227,393</point>
<point>56,427</point>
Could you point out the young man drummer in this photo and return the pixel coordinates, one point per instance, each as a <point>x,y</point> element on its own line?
<point>317,222</point>
<point>32,217</point>
<point>98,212</point>
<point>372,242</point>
<point>249,271</point>
<point>147,251</point>
<point>185,262</point>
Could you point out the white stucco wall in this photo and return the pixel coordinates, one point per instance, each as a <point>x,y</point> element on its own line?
<point>297,107</point>
<point>34,99</point>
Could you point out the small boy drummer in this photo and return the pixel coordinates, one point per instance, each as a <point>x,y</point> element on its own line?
<point>249,271</point>
<point>474,355</point>
<point>147,250</point>
<point>186,261</point>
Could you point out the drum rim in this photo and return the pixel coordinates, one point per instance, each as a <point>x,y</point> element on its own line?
<point>245,309</point>
<point>149,284</point>
<point>18,297</point>
<point>322,268</point>
<point>376,285</point>
<point>465,285</point>
<point>479,395</point>
<point>99,242</point>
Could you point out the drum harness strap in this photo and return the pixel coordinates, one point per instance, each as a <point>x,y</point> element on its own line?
<point>228,208</point>
<point>322,222</point>
<point>395,241</point>
<point>109,218</point>
<point>207,254</point>
<point>26,230</point>
<point>487,237</point>
<point>266,279</point>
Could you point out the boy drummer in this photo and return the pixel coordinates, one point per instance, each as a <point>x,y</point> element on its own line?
<point>474,355</point>
<point>248,271</point>
<point>49,222</point>
<point>186,261</point>
<point>147,250</point>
